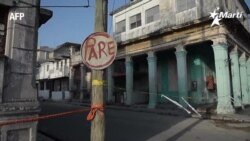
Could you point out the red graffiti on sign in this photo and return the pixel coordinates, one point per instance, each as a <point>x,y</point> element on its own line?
<point>98,50</point>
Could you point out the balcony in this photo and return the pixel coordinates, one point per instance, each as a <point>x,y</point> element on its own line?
<point>138,32</point>
<point>167,20</point>
<point>53,73</point>
<point>76,58</point>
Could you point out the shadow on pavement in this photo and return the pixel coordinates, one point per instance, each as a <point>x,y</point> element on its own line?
<point>182,132</point>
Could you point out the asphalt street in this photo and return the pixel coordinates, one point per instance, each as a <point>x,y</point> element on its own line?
<point>122,125</point>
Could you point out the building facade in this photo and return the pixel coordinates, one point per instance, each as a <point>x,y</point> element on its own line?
<point>53,74</point>
<point>62,75</point>
<point>43,54</point>
<point>80,77</point>
<point>171,48</point>
<point>18,45</point>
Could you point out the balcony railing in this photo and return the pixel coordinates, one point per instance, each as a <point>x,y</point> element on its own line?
<point>53,73</point>
<point>167,19</point>
<point>76,58</point>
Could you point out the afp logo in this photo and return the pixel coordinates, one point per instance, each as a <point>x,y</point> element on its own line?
<point>16,16</point>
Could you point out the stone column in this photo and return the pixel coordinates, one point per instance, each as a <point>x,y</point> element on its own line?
<point>45,85</point>
<point>83,86</point>
<point>38,85</point>
<point>71,80</point>
<point>110,97</point>
<point>2,60</point>
<point>244,81</point>
<point>248,78</point>
<point>129,81</point>
<point>152,79</point>
<point>224,105</point>
<point>181,57</point>
<point>235,72</point>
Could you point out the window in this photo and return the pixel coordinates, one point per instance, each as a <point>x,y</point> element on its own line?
<point>135,21</point>
<point>47,67</point>
<point>226,4</point>
<point>57,65</point>
<point>3,24</point>
<point>152,14</point>
<point>77,48</point>
<point>120,26</point>
<point>46,55</point>
<point>182,5</point>
<point>65,62</point>
<point>41,85</point>
<point>2,38</point>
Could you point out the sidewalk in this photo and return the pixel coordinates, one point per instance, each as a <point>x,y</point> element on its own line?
<point>241,117</point>
<point>231,118</point>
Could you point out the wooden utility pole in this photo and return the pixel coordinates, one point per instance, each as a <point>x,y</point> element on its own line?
<point>98,123</point>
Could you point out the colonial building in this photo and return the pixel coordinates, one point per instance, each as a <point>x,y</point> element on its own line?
<point>171,47</point>
<point>80,77</point>
<point>61,74</point>
<point>43,54</point>
<point>18,45</point>
<point>53,74</point>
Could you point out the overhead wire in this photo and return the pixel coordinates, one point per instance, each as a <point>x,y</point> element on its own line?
<point>54,6</point>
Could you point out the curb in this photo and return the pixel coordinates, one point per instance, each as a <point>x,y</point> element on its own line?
<point>225,118</point>
<point>231,119</point>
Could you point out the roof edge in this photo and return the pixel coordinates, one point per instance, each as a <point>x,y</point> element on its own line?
<point>124,7</point>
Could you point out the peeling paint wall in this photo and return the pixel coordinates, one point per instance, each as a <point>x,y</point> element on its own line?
<point>167,62</point>
<point>201,65</point>
<point>169,16</point>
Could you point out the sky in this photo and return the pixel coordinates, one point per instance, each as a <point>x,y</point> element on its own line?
<point>73,24</point>
<point>248,2</point>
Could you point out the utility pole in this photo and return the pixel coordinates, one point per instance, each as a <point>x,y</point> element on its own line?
<point>98,123</point>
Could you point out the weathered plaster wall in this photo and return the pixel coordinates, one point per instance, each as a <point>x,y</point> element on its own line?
<point>21,37</point>
<point>201,64</point>
<point>19,93</point>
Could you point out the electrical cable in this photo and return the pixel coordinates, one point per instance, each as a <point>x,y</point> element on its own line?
<point>55,6</point>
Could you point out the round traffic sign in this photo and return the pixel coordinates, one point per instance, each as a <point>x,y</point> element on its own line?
<point>98,51</point>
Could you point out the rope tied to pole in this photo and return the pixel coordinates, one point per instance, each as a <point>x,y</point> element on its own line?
<point>93,110</point>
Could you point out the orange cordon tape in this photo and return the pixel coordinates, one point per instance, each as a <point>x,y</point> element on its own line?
<point>32,119</point>
<point>94,109</point>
